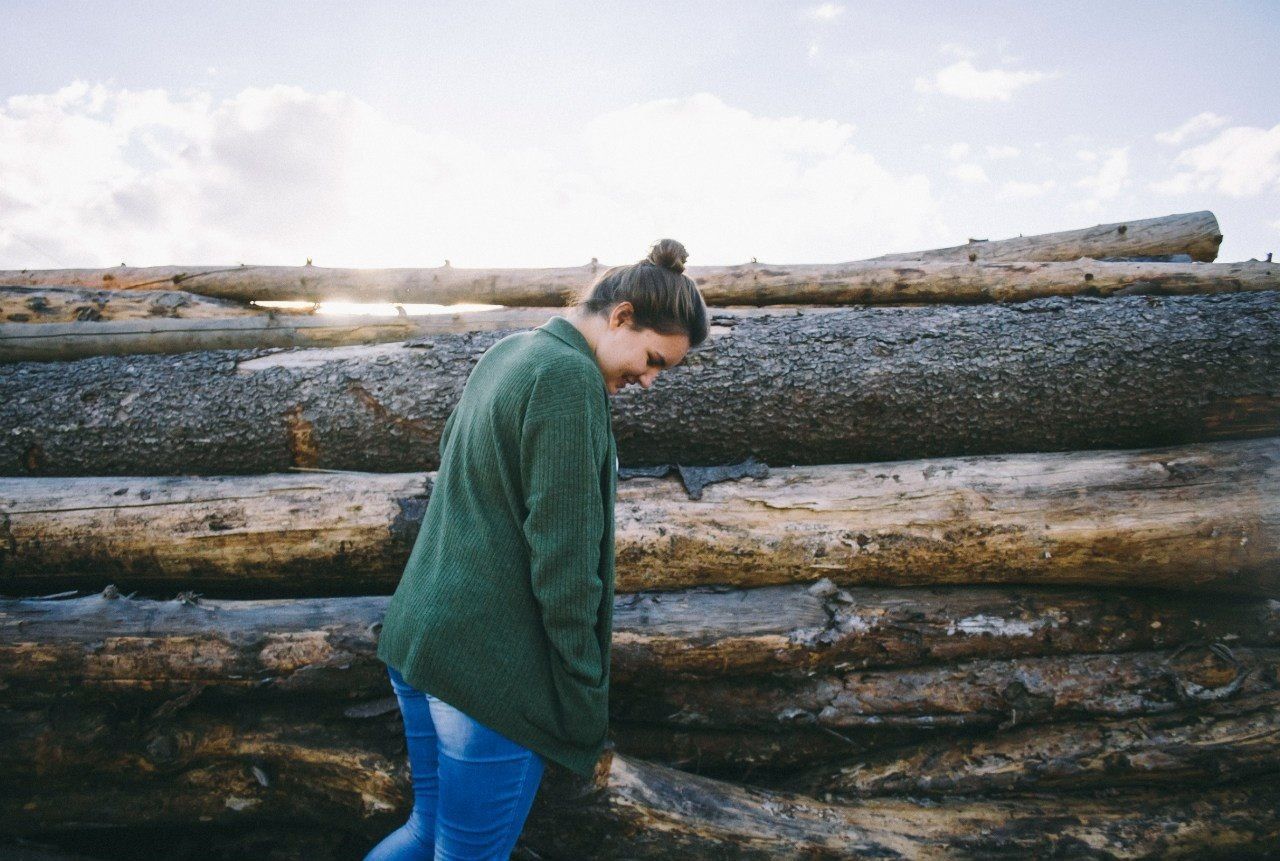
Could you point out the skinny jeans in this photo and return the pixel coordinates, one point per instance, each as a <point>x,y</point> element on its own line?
<point>472,787</point>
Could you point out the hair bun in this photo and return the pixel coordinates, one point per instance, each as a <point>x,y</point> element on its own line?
<point>668,254</point>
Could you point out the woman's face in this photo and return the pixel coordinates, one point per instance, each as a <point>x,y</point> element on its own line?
<point>635,356</point>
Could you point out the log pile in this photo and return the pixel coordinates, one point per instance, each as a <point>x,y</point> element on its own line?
<point>1007,585</point>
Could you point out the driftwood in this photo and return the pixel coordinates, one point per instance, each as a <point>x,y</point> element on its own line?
<point>1203,517</point>
<point>1195,234</point>
<point>853,385</point>
<point>1218,743</point>
<point>105,645</point>
<point>80,304</point>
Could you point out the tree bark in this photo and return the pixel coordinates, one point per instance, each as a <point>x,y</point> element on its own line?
<point>973,695</point>
<point>1203,517</point>
<point>250,767</point>
<point>1219,743</point>
<point>80,304</point>
<point>639,810</point>
<point>54,342</point>
<point>1195,234</point>
<point>121,647</point>
<point>47,342</point>
<point>852,385</point>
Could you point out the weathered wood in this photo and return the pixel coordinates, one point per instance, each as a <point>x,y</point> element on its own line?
<point>305,533</point>
<point>908,283</point>
<point>852,283</point>
<point>245,767</point>
<point>852,385</point>
<point>116,647</point>
<point>971,695</point>
<point>639,810</point>
<point>76,304</point>
<point>1219,743</point>
<point>51,342</point>
<point>1203,517</point>
<point>1193,233</point>
<point>45,342</point>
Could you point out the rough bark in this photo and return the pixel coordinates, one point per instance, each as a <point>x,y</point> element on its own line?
<point>1192,233</point>
<point>80,304</point>
<point>1219,743</point>
<point>970,695</point>
<point>638,810</point>
<point>117,647</point>
<point>1203,517</point>
<point>1195,234</point>
<point>247,768</point>
<point>54,342</point>
<point>45,342</point>
<point>852,385</point>
<point>305,533</point>
<point>852,283</point>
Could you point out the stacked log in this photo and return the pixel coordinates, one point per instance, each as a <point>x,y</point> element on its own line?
<point>1007,585</point>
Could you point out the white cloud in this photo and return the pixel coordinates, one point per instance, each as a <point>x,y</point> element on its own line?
<point>969,173</point>
<point>813,49</point>
<point>1194,127</point>
<point>827,11</point>
<point>1002,151</point>
<point>1087,155</point>
<point>962,80</point>
<point>1111,177</point>
<point>958,151</point>
<point>95,176</point>
<point>1241,161</point>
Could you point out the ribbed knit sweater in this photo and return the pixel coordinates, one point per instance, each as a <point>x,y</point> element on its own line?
<point>505,607</point>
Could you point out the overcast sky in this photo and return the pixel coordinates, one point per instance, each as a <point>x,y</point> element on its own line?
<point>527,134</point>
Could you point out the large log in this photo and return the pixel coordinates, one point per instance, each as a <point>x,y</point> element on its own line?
<point>82,304</point>
<point>1192,233</point>
<point>639,810</point>
<point>1195,234</point>
<point>51,342</point>
<point>972,695</point>
<point>101,645</point>
<point>1219,743</point>
<point>1203,517</point>
<point>270,328</point>
<point>853,385</point>
<point>247,769</point>
<point>853,283</point>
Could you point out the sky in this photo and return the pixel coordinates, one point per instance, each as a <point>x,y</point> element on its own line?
<point>546,134</point>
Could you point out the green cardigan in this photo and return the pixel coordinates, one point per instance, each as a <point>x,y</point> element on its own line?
<point>505,607</point>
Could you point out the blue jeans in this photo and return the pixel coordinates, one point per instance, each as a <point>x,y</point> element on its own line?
<point>472,787</point>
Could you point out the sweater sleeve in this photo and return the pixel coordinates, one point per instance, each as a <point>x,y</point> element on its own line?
<point>560,462</point>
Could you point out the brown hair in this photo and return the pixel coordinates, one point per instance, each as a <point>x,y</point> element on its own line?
<point>664,298</point>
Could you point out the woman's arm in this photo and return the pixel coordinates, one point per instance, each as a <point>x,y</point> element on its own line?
<point>560,455</point>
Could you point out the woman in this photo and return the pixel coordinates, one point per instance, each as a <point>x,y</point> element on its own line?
<point>497,638</point>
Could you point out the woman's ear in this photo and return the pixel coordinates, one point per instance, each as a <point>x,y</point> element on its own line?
<point>622,315</point>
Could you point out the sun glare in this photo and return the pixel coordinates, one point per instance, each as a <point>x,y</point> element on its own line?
<point>377,309</point>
